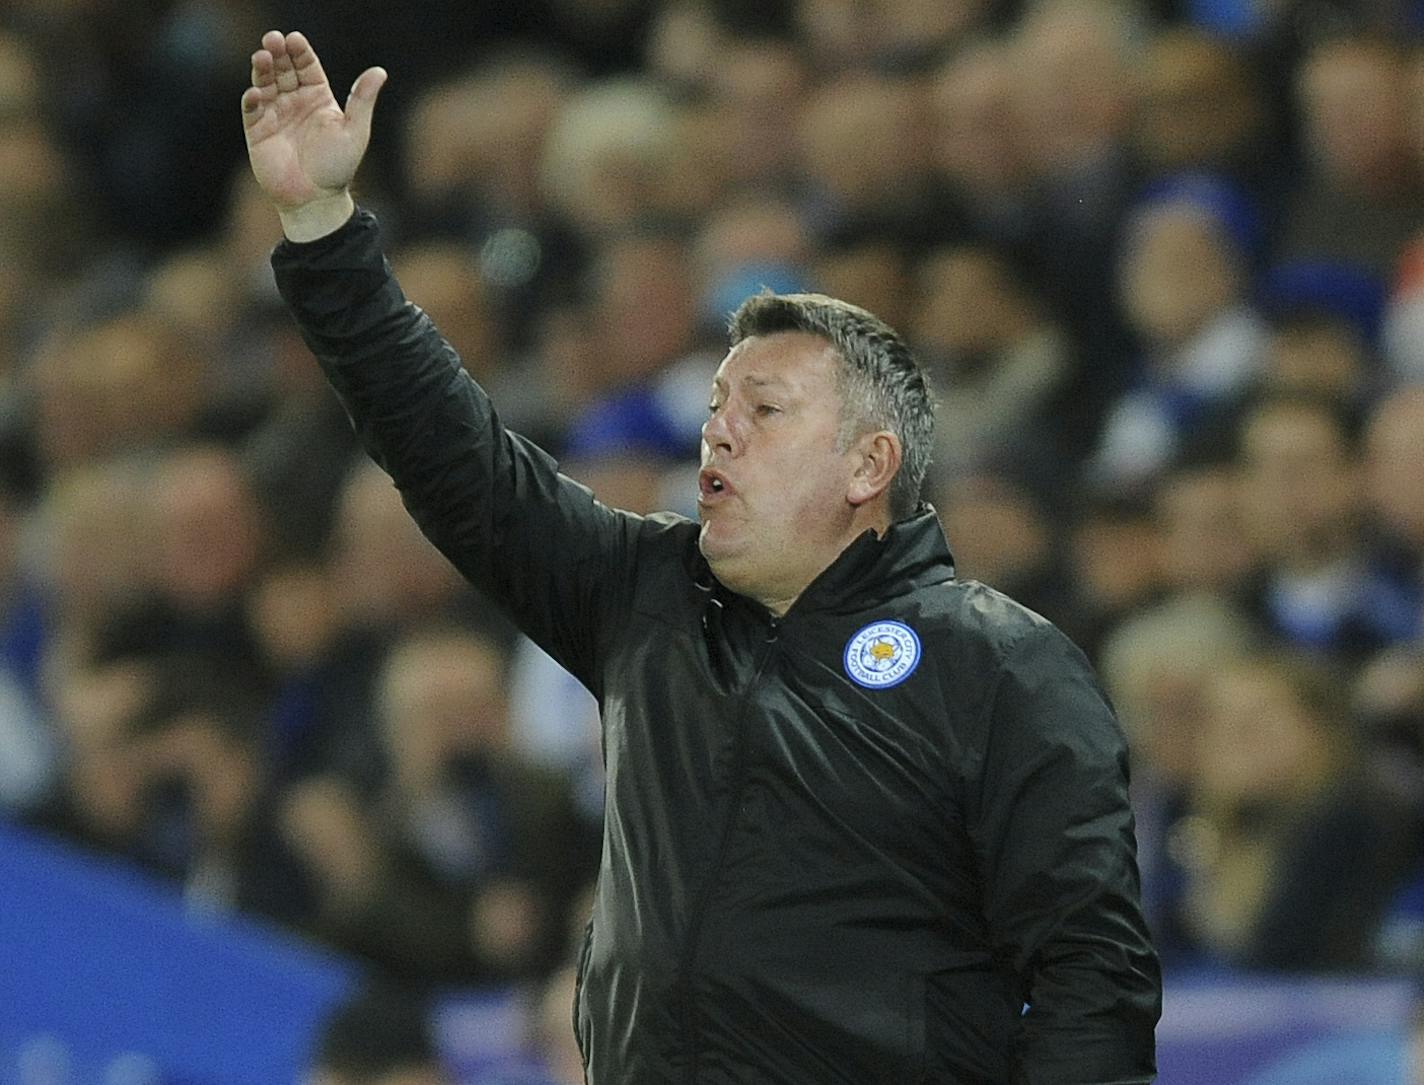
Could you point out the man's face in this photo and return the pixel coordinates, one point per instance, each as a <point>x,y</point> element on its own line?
<point>774,491</point>
<point>1300,489</point>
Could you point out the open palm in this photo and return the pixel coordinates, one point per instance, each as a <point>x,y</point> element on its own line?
<point>302,145</point>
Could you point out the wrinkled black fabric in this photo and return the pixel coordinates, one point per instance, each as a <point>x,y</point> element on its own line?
<point>803,880</point>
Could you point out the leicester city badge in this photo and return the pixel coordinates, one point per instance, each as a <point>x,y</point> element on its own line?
<point>883,654</point>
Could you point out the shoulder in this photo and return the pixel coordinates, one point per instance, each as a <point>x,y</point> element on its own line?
<point>997,657</point>
<point>670,538</point>
<point>671,576</point>
<point>976,617</point>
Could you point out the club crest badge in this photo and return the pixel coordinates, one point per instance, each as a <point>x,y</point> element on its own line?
<point>883,654</point>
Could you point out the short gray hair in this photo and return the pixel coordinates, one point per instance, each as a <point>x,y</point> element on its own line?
<point>882,386</point>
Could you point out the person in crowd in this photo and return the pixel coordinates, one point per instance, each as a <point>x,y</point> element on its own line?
<point>462,863</point>
<point>1394,465</point>
<point>1325,319</point>
<point>204,545</point>
<point>977,152</point>
<point>164,765</point>
<point>1158,665</point>
<point>94,569</point>
<point>1290,856</point>
<point>747,87</point>
<point>1070,64</point>
<point>1364,196</point>
<point>1186,271</point>
<point>1206,549</point>
<point>119,384</point>
<point>1115,567</point>
<point>1003,535</point>
<point>1199,108</point>
<point>1002,366</point>
<point>754,241</point>
<point>865,162</point>
<point>1320,588</point>
<point>645,393</point>
<point>611,156</point>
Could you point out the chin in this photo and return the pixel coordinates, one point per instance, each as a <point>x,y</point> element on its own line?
<point>719,551</point>
<point>709,546</point>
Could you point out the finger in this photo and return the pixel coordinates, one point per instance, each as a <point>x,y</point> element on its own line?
<point>262,74</point>
<point>283,68</point>
<point>362,102</point>
<point>251,106</point>
<point>304,60</point>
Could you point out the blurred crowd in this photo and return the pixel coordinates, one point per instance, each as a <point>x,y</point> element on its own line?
<point>1164,261</point>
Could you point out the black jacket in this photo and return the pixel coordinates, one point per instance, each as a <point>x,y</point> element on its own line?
<point>807,877</point>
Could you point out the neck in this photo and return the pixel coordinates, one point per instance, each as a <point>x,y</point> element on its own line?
<point>781,598</point>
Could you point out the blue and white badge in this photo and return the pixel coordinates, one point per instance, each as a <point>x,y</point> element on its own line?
<point>883,654</point>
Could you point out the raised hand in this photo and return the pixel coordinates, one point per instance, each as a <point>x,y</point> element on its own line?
<point>303,147</point>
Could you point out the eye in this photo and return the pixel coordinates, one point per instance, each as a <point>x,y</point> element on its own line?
<point>713,407</point>
<point>765,409</point>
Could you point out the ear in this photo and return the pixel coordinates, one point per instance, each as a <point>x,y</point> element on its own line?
<point>878,457</point>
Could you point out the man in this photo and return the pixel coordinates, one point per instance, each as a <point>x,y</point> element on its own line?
<point>864,823</point>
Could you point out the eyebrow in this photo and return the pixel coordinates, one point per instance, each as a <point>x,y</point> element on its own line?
<point>753,381</point>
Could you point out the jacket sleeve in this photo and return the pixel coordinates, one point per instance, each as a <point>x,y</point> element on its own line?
<point>495,505</point>
<point>1054,834</point>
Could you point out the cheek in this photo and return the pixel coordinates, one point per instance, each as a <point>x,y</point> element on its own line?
<point>812,488</point>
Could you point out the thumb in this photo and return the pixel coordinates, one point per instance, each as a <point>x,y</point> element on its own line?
<point>362,101</point>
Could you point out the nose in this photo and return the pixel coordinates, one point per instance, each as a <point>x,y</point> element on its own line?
<point>718,432</point>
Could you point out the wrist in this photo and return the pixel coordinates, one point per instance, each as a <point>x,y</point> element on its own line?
<point>318,217</point>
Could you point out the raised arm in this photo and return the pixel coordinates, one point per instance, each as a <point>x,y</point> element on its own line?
<point>495,505</point>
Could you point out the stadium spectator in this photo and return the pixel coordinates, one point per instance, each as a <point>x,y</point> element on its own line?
<point>463,862</point>
<point>1114,557</point>
<point>1001,367</point>
<point>1290,857</point>
<point>754,85</point>
<point>1158,665</point>
<point>610,158</point>
<point>647,394</point>
<point>1198,108</point>
<point>977,153</point>
<point>1003,536</point>
<point>752,242</point>
<point>1205,547</point>
<point>94,566</point>
<point>1071,62</point>
<point>122,384</point>
<point>1185,278</point>
<point>1304,506</point>
<point>1363,196</point>
<point>1325,322</point>
<point>1394,485</point>
<point>864,162</point>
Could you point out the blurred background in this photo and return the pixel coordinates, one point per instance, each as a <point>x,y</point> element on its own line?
<point>281,799</point>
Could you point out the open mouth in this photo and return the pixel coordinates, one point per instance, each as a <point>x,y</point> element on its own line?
<point>711,485</point>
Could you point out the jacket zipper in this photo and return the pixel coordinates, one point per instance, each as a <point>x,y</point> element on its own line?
<point>704,898</point>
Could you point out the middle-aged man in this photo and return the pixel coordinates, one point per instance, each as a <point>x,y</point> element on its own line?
<point>864,822</point>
